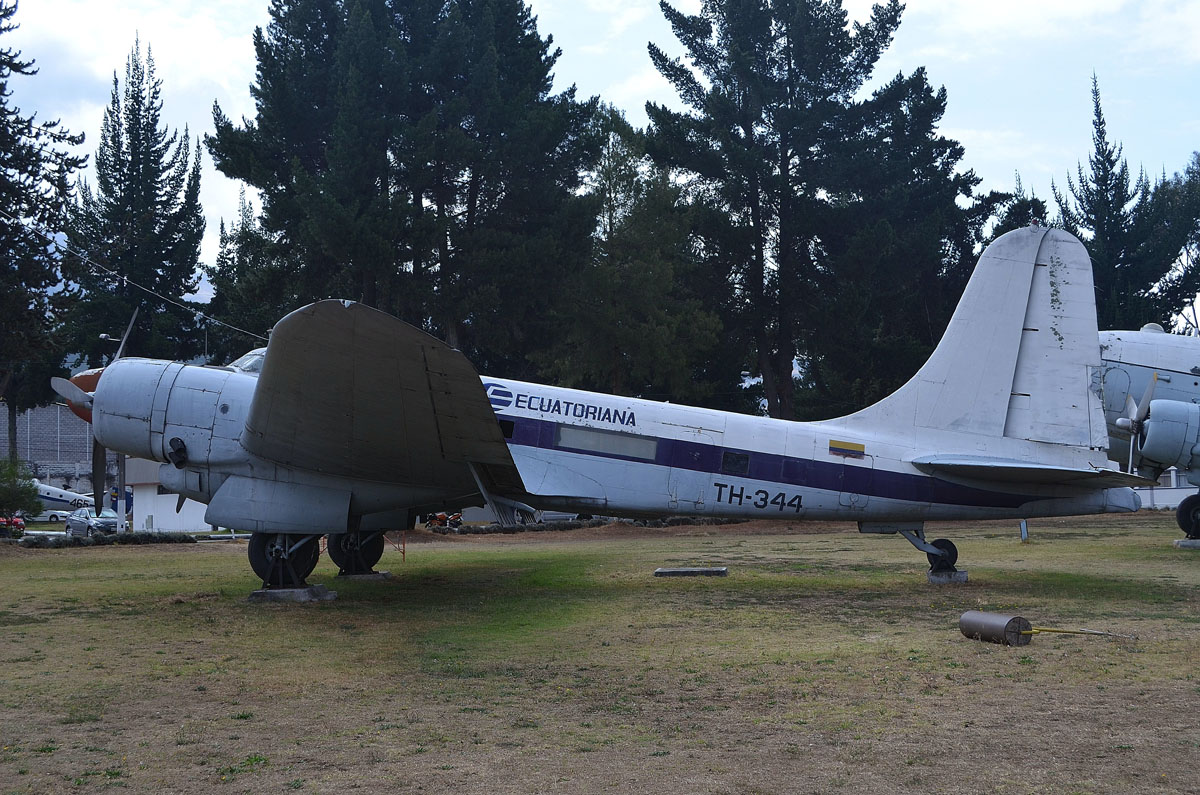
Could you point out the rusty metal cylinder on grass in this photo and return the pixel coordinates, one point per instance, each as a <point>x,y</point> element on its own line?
<point>995,628</point>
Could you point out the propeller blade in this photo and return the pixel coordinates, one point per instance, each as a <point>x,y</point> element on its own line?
<point>125,336</point>
<point>1143,407</point>
<point>99,472</point>
<point>71,392</point>
<point>1131,407</point>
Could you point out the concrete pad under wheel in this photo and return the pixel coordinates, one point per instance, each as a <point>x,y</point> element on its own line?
<point>372,577</point>
<point>947,577</point>
<point>312,593</point>
<point>1187,543</point>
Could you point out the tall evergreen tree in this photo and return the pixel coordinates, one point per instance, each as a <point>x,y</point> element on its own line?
<point>1189,184</point>
<point>897,245</point>
<point>1018,209</point>
<point>1135,233</point>
<point>412,156</point>
<point>252,285</point>
<point>34,187</point>
<point>142,220</point>
<point>634,320</point>
<point>331,85</point>
<point>839,221</point>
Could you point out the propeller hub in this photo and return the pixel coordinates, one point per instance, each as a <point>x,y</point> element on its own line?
<point>87,381</point>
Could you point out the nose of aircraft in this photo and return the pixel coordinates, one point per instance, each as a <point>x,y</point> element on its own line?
<point>87,381</point>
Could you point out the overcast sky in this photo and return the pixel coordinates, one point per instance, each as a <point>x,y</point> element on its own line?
<point>1018,73</point>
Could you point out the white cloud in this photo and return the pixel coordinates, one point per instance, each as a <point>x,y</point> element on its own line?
<point>633,92</point>
<point>1167,30</point>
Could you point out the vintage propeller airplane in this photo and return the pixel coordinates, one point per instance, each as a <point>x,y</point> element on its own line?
<point>1162,428</point>
<point>358,421</point>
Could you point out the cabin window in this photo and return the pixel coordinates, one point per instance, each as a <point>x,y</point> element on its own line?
<point>735,463</point>
<point>628,445</point>
<point>507,427</point>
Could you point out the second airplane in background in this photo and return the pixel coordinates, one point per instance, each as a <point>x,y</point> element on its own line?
<point>1150,382</point>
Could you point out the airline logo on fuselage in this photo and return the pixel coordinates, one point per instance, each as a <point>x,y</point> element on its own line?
<point>501,397</point>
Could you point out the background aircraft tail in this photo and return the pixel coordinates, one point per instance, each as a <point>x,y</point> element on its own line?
<point>1016,358</point>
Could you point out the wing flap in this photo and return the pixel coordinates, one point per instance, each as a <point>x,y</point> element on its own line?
<point>1014,471</point>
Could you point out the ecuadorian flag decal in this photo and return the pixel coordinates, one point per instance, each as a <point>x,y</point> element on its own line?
<point>847,449</point>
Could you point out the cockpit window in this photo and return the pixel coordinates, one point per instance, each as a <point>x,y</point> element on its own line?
<point>250,362</point>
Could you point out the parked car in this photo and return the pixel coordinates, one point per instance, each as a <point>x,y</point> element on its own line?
<point>12,528</point>
<point>90,521</point>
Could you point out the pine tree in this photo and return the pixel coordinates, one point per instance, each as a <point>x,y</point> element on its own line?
<point>1100,210</point>
<point>1018,209</point>
<point>898,243</point>
<point>836,219</point>
<point>1188,184</point>
<point>414,158</point>
<point>143,221</point>
<point>34,185</point>
<point>252,285</point>
<point>634,321</point>
<point>1135,232</point>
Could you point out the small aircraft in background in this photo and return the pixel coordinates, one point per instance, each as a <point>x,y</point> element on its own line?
<point>58,503</point>
<point>356,422</point>
<point>1150,383</point>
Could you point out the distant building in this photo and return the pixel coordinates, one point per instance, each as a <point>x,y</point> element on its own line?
<point>154,508</point>
<point>56,445</point>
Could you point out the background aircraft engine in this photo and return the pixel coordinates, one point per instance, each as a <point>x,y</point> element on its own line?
<point>1170,436</point>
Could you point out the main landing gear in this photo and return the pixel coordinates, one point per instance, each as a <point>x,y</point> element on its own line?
<point>1188,516</point>
<point>355,553</point>
<point>283,560</point>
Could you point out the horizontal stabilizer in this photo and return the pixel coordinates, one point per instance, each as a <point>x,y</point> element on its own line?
<point>1011,471</point>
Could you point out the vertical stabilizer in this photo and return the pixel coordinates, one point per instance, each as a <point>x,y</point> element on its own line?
<point>1014,360</point>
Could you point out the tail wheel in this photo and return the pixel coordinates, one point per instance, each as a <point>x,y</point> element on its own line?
<point>946,561</point>
<point>355,553</point>
<point>283,560</point>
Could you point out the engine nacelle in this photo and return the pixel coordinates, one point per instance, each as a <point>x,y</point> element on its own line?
<point>171,412</point>
<point>1170,436</point>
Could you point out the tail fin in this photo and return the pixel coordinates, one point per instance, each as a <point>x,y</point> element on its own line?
<point>1015,359</point>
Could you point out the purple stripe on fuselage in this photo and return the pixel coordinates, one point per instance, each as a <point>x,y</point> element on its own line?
<point>830,476</point>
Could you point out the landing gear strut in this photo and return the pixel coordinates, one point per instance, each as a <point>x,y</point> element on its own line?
<point>1188,516</point>
<point>941,552</point>
<point>283,560</point>
<point>355,553</point>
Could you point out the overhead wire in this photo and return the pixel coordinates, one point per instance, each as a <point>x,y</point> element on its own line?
<point>116,275</point>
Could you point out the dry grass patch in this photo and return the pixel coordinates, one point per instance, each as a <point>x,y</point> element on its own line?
<point>556,663</point>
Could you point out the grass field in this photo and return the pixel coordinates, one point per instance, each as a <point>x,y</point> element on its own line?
<point>557,663</point>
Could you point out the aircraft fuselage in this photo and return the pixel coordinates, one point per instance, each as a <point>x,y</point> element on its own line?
<point>596,453</point>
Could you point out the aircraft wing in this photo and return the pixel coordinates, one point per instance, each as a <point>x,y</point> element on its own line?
<point>1014,471</point>
<point>350,391</point>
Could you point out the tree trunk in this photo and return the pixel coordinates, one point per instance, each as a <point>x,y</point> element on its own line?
<point>12,431</point>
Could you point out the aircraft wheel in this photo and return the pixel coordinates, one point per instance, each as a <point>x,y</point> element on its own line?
<point>267,552</point>
<point>1188,516</point>
<point>353,553</point>
<point>943,562</point>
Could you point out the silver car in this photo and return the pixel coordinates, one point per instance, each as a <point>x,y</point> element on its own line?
<point>87,522</point>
